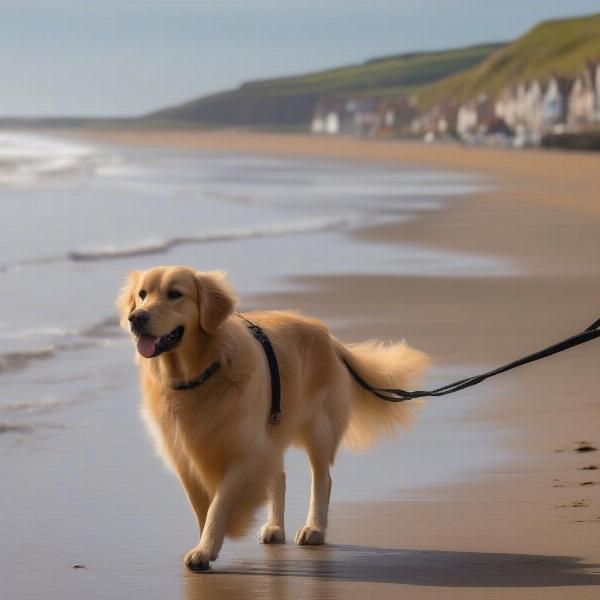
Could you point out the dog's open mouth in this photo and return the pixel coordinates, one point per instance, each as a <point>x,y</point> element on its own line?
<point>150,346</point>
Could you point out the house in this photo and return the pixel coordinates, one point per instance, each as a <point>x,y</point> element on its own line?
<point>366,117</point>
<point>394,114</point>
<point>584,99</point>
<point>513,105</point>
<point>422,124</point>
<point>521,107</point>
<point>521,104</point>
<point>506,106</point>
<point>440,120</point>
<point>388,121</point>
<point>447,118</point>
<point>556,101</point>
<point>327,117</point>
<point>466,119</point>
<point>347,116</point>
<point>533,106</point>
<point>472,117</point>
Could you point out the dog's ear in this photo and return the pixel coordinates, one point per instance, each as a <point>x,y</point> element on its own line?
<point>216,300</point>
<point>126,298</point>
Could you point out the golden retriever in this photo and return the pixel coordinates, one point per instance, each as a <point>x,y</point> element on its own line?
<point>217,437</point>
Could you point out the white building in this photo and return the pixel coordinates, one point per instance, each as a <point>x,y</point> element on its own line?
<point>584,99</point>
<point>556,101</point>
<point>474,116</point>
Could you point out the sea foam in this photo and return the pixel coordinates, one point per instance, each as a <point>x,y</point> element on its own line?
<point>26,158</point>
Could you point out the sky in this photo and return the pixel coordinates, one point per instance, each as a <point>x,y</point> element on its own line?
<point>128,57</point>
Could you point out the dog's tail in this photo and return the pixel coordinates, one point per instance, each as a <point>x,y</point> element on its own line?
<point>381,365</point>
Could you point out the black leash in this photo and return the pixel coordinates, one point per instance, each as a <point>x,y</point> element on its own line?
<point>261,336</point>
<point>396,395</point>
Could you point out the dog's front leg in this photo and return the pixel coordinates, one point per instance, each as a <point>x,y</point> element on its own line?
<point>220,508</point>
<point>197,497</point>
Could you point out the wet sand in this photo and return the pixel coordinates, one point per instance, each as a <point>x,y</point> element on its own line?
<point>557,178</point>
<point>528,528</point>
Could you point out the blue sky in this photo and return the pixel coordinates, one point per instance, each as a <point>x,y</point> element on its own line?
<point>123,58</point>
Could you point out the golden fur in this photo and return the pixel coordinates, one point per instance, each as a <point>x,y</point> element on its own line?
<point>217,438</point>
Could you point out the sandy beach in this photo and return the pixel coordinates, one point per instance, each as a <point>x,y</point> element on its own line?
<point>527,528</point>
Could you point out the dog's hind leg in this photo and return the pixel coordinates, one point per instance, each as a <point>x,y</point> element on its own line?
<point>273,531</point>
<point>320,448</point>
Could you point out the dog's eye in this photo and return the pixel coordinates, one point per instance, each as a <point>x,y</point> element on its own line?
<point>142,294</point>
<point>174,294</point>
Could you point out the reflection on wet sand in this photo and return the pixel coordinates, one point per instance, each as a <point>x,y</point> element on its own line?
<point>324,572</point>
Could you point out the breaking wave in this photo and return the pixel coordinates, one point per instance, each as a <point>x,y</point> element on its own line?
<point>26,159</point>
<point>56,340</point>
<point>6,427</point>
<point>113,251</point>
<point>160,246</point>
<point>15,361</point>
<point>37,406</point>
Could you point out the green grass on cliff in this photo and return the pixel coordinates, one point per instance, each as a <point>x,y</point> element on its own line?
<point>402,71</point>
<point>559,47</point>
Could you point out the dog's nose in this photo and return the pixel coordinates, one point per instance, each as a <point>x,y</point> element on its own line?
<point>138,319</point>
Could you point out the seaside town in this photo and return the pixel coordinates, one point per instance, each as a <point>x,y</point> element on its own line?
<point>528,113</point>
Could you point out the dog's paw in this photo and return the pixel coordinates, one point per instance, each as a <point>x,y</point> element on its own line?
<point>310,536</point>
<point>197,560</point>
<point>271,534</point>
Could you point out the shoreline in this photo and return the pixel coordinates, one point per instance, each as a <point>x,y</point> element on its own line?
<point>547,176</point>
<point>509,531</point>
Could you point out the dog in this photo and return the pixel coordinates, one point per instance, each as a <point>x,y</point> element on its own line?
<point>217,436</point>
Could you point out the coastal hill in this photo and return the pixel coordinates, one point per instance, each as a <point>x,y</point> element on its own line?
<point>558,47</point>
<point>289,102</point>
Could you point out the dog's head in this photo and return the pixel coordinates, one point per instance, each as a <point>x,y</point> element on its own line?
<point>163,305</point>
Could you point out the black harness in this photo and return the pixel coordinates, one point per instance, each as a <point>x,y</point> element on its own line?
<point>264,341</point>
<point>389,394</point>
<point>261,336</point>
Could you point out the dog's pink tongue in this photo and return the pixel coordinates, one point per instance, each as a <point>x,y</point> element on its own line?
<point>146,345</point>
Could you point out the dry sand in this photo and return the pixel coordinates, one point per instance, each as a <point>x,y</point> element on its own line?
<point>528,529</point>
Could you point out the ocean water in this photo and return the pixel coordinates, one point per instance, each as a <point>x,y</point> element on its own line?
<point>76,217</point>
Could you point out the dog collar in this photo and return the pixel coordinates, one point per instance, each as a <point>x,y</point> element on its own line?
<point>197,381</point>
